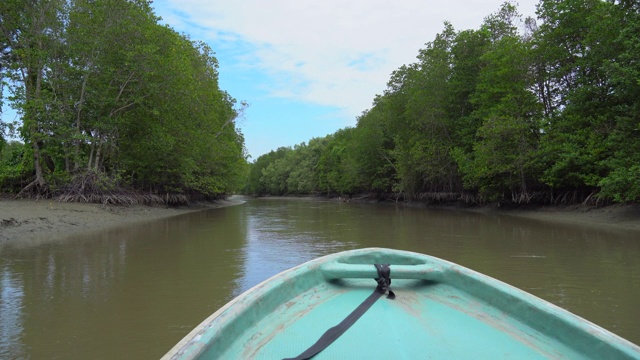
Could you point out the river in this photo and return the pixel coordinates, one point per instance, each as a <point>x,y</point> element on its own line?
<point>132,292</point>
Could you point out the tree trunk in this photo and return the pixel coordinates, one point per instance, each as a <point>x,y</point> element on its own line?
<point>33,83</point>
<point>78,117</point>
<point>38,165</point>
<point>39,182</point>
<point>93,147</point>
<point>98,154</point>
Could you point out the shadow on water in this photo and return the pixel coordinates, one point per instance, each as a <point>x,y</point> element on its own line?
<point>134,291</point>
<point>122,293</point>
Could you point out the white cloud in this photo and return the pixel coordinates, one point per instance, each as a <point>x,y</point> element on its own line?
<point>336,53</point>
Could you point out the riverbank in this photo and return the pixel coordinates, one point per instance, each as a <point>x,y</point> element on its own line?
<point>615,216</point>
<point>618,216</point>
<point>24,219</point>
<point>27,219</point>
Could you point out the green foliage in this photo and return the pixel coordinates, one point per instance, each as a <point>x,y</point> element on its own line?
<point>502,159</point>
<point>12,166</point>
<point>579,39</point>
<point>258,183</point>
<point>337,172</point>
<point>370,149</point>
<point>102,87</point>
<point>506,141</point>
<point>494,112</point>
<point>622,184</point>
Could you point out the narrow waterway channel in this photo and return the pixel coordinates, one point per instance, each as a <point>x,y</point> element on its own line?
<point>133,292</point>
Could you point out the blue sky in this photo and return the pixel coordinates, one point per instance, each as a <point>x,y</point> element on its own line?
<point>309,67</point>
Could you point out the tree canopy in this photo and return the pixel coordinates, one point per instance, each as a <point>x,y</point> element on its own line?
<point>109,97</point>
<point>518,110</point>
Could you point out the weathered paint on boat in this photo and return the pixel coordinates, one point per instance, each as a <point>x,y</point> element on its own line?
<point>442,311</point>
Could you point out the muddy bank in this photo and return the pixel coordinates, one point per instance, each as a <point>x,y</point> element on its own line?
<point>28,219</point>
<point>626,217</point>
<point>617,216</point>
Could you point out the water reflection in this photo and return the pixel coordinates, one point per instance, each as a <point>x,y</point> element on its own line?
<point>133,292</point>
<point>122,293</point>
<point>280,237</point>
<point>11,303</point>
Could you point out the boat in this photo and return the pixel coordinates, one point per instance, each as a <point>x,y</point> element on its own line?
<point>335,307</point>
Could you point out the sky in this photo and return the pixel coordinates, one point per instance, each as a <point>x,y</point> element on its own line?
<point>308,68</point>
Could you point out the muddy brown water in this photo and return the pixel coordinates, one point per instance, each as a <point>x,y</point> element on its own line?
<point>134,291</point>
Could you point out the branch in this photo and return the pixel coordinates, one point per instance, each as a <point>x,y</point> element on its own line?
<point>113,112</point>
<point>224,126</point>
<point>389,160</point>
<point>239,114</point>
<point>124,86</point>
<point>81,101</point>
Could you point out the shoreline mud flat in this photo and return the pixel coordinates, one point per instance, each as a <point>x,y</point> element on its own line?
<point>28,219</point>
<point>620,216</point>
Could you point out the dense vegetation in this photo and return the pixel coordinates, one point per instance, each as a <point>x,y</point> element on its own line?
<point>112,103</point>
<point>533,110</point>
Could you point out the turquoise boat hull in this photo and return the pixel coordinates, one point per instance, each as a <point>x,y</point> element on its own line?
<point>441,311</point>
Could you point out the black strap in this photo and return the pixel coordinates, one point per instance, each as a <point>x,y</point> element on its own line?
<point>384,282</point>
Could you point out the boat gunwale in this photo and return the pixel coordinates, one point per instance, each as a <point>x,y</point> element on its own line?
<point>455,275</point>
<point>181,349</point>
